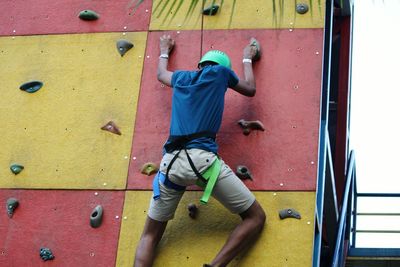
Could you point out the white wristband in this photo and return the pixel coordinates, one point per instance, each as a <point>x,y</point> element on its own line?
<point>164,56</point>
<point>247,60</point>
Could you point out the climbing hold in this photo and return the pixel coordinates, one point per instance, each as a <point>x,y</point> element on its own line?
<point>254,42</point>
<point>289,213</point>
<point>96,217</point>
<point>46,254</point>
<point>250,125</point>
<point>192,208</point>
<point>88,15</point>
<point>31,87</point>
<point>123,46</point>
<point>149,168</point>
<point>12,204</point>
<point>302,8</point>
<point>243,173</point>
<point>111,127</point>
<point>16,168</point>
<point>211,10</point>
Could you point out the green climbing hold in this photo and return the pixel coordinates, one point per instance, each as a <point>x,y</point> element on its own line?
<point>88,15</point>
<point>123,46</point>
<point>46,254</point>
<point>16,168</point>
<point>211,10</point>
<point>12,204</point>
<point>149,168</point>
<point>96,217</point>
<point>301,8</point>
<point>31,87</point>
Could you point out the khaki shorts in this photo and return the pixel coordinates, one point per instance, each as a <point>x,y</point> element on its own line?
<point>229,190</point>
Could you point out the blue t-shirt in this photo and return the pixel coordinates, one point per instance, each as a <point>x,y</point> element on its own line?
<point>198,103</point>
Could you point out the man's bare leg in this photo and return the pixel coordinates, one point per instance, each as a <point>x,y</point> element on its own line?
<point>145,251</point>
<point>253,220</point>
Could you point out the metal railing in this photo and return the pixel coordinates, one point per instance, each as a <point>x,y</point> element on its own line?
<point>345,221</point>
<point>347,227</point>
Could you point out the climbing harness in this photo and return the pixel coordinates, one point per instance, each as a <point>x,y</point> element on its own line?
<point>206,181</point>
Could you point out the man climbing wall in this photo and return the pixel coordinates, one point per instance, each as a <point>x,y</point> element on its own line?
<point>190,153</point>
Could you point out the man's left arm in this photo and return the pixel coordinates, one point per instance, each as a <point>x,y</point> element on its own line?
<point>163,74</point>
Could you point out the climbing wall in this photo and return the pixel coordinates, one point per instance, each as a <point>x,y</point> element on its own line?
<point>79,121</point>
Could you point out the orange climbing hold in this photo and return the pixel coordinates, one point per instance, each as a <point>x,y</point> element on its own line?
<point>111,127</point>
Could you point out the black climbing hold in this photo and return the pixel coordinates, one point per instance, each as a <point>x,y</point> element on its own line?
<point>46,254</point>
<point>16,168</point>
<point>123,46</point>
<point>12,204</point>
<point>211,10</point>
<point>289,213</point>
<point>96,217</point>
<point>243,172</point>
<point>88,15</point>
<point>31,87</point>
<point>111,127</point>
<point>192,208</point>
<point>149,168</point>
<point>301,8</point>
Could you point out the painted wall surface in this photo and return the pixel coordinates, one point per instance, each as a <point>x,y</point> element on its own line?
<point>59,220</point>
<point>192,242</point>
<point>30,17</point>
<point>55,132</point>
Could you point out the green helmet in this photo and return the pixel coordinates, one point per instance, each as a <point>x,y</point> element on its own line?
<point>218,57</point>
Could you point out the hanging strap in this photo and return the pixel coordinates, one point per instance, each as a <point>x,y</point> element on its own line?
<point>211,176</point>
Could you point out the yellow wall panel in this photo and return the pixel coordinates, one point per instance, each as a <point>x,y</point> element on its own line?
<point>176,15</point>
<point>189,242</point>
<point>55,132</point>
<point>257,14</point>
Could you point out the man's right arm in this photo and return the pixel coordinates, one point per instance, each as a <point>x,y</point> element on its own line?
<point>163,74</point>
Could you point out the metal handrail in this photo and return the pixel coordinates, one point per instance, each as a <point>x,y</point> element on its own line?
<point>338,254</point>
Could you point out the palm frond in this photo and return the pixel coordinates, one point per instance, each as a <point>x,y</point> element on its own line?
<point>176,11</point>
<point>232,11</point>
<point>191,9</point>
<point>162,9</point>
<point>169,11</point>
<point>135,5</point>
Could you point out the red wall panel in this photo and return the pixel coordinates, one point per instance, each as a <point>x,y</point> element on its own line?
<point>287,102</point>
<point>59,220</point>
<point>32,17</point>
<point>288,79</point>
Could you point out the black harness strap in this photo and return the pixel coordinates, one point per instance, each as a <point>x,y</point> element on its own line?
<point>194,168</point>
<point>178,142</point>
<point>170,164</point>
